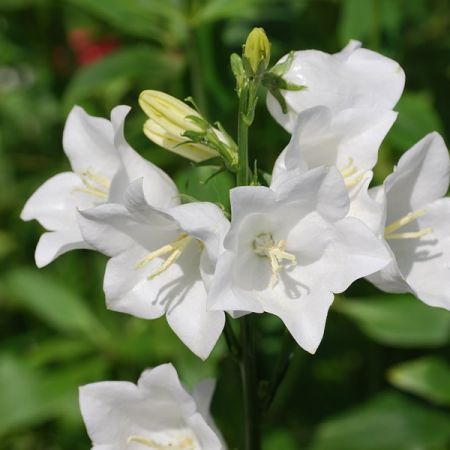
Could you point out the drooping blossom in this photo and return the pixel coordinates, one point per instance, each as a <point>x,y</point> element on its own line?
<point>103,164</point>
<point>352,78</point>
<point>415,224</point>
<point>289,250</point>
<point>158,257</point>
<point>156,413</point>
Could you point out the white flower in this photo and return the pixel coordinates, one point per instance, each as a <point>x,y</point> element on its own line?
<point>157,260</point>
<point>103,165</point>
<point>157,413</point>
<point>416,223</point>
<point>354,77</point>
<point>288,250</point>
<point>347,139</point>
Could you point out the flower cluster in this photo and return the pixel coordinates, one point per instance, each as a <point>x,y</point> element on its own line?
<point>285,248</point>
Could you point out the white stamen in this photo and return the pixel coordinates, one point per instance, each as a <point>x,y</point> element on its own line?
<point>174,249</point>
<point>94,184</point>
<point>389,231</point>
<point>185,444</point>
<point>264,245</point>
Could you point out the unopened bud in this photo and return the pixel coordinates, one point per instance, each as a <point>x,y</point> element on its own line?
<point>257,49</point>
<point>170,121</point>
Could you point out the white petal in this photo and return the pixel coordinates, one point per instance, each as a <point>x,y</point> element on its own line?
<point>304,316</point>
<point>162,383</point>
<point>111,229</point>
<point>88,142</point>
<point>207,434</point>
<point>422,176</point>
<point>390,278</point>
<point>222,295</point>
<point>425,262</point>
<point>204,221</point>
<point>363,205</point>
<point>355,77</point>
<point>321,188</point>
<point>160,190</point>
<point>128,290</point>
<point>53,244</point>
<point>354,252</point>
<point>353,135</point>
<point>198,328</point>
<point>54,203</point>
<point>107,409</point>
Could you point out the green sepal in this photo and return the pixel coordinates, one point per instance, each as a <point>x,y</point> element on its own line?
<point>200,121</point>
<point>281,68</point>
<point>238,71</point>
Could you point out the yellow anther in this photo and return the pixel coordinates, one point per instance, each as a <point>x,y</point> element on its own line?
<point>352,176</point>
<point>264,245</point>
<point>174,249</point>
<point>349,169</point>
<point>94,184</point>
<point>389,231</point>
<point>185,444</point>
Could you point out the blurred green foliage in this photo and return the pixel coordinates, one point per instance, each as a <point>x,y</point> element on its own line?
<point>56,333</point>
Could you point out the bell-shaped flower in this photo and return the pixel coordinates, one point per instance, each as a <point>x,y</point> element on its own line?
<point>354,77</point>
<point>289,250</point>
<point>103,164</point>
<point>416,223</point>
<point>156,413</point>
<point>157,261</point>
<point>348,140</point>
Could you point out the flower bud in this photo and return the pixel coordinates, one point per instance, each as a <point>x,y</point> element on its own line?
<point>257,49</point>
<point>170,121</point>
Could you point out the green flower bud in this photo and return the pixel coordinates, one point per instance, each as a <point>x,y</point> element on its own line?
<point>257,49</point>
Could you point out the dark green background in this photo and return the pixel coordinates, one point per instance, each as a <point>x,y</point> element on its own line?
<point>379,380</point>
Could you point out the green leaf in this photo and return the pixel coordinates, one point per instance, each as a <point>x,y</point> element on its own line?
<point>146,19</point>
<point>136,66</point>
<point>398,320</point>
<point>417,117</point>
<point>428,377</point>
<point>52,301</point>
<point>388,422</point>
<point>29,396</point>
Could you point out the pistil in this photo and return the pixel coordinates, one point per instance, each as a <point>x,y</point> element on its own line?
<point>174,250</point>
<point>389,231</point>
<point>264,245</point>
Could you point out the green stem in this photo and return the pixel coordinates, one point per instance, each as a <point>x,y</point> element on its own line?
<point>243,172</point>
<point>249,385</point>
<point>281,367</point>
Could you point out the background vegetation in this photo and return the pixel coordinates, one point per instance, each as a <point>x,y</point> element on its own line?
<point>380,379</point>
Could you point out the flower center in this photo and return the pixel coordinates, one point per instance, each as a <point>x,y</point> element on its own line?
<point>173,249</point>
<point>186,443</point>
<point>390,230</point>
<point>94,184</point>
<point>351,174</point>
<point>264,245</point>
